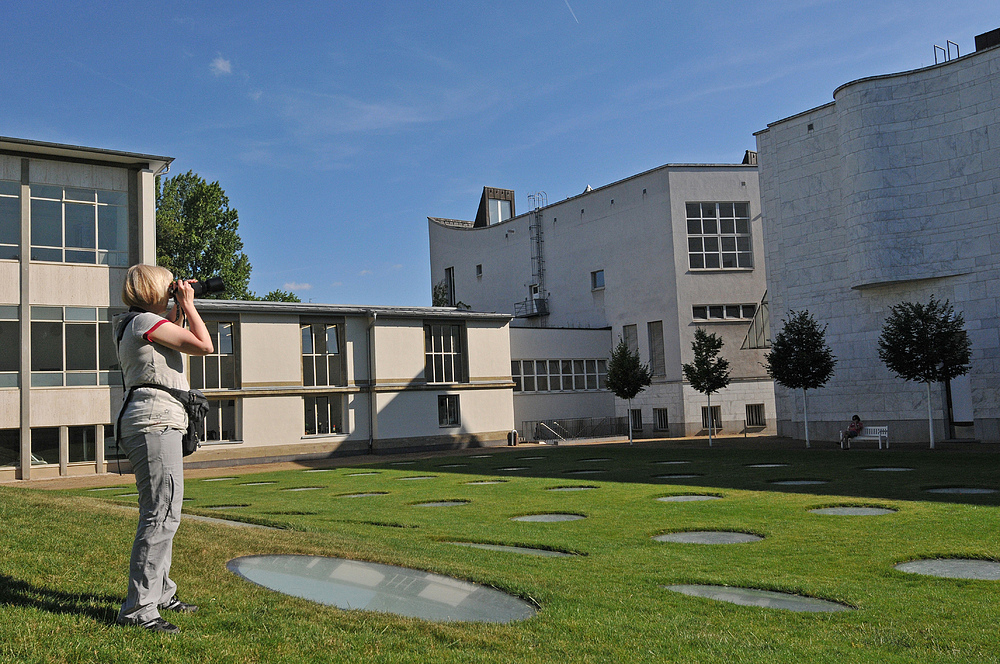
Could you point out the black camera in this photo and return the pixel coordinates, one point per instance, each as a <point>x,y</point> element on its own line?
<point>202,288</point>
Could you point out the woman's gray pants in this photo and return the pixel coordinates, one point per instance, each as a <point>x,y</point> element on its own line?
<point>157,462</point>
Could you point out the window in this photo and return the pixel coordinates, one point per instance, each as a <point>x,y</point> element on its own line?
<point>217,370</point>
<point>597,280</point>
<point>323,414</point>
<point>660,419</point>
<point>10,447</point>
<point>499,210</point>
<point>449,284</point>
<point>71,346</point>
<point>559,375</point>
<point>635,415</point>
<point>10,220</point>
<point>755,415</point>
<point>79,225</point>
<point>716,418</point>
<point>723,311</point>
<point>479,271</point>
<point>631,335</point>
<point>45,445</point>
<point>719,236</point>
<point>321,358</point>
<point>657,360</point>
<point>448,415</point>
<point>10,346</point>
<point>83,443</point>
<point>220,424</point>
<point>443,353</point>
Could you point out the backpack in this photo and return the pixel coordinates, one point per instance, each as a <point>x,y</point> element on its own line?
<point>194,403</point>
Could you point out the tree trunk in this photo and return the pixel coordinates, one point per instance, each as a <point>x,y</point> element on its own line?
<point>628,419</point>
<point>711,420</point>
<point>930,415</point>
<point>805,414</point>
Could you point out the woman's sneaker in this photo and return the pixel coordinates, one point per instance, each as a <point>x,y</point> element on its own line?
<point>176,605</point>
<point>155,625</point>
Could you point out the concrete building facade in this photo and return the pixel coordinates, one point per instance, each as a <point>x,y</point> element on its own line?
<point>890,193</point>
<point>649,259</point>
<point>286,381</point>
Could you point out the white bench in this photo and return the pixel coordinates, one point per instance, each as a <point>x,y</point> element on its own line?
<point>870,433</point>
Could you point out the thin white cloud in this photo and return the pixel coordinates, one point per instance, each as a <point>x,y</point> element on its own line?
<point>221,67</point>
<point>292,286</point>
<point>365,273</point>
<point>337,284</point>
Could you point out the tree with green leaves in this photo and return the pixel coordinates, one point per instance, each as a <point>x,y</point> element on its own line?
<point>800,358</point>
<point>925,343</point>
<point>709,373</point>
<point>197,234</point>
<point>627,376</point>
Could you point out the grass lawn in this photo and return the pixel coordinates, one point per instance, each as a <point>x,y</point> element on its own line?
<point>64,556</point>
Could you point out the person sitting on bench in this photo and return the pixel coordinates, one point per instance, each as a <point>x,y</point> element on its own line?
<point>853,429</point>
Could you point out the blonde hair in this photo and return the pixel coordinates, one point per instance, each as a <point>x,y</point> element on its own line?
<point>146,286</point>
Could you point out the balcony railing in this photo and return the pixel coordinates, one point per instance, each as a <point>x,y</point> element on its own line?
<point>537,306</point>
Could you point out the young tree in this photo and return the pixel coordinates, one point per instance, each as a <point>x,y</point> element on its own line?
<point>800,359</point>
<point>708,373</point>
<point>627,377</point>
<point>926,343</point>
<point>197,234</point>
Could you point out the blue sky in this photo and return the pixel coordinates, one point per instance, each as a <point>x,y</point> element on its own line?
<point>336,128</point>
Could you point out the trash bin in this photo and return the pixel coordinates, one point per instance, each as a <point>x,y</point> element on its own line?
<point>512,438</point>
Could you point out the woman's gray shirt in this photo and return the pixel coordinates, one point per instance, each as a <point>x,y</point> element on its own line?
<point>145,361</point>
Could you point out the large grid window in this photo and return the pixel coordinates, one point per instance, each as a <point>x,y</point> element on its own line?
<point>719,236</point>
<point>10,346</point>
<point>220,423</point>
<point>661,420</point>
<point>70,225</point>
<point>10,220</point>
<point>657,358</point>
<point>635,415</point>
<point>323,414</point>
<point>631,335</point>
<point>321,358</point>
<point>71,346</point>
<point>559,375</point>
<point>444,354</point>
<point>216,370</point>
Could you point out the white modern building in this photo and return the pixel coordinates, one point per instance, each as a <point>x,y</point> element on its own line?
<point>890,193</point>
<point>648,259</point>
<point>286,381</point>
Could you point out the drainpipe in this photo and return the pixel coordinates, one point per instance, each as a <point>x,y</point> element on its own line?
<point>372,315</point>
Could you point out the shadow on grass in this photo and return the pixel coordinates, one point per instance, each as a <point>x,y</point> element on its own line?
<point>823,471</point>
<point>16,592</point>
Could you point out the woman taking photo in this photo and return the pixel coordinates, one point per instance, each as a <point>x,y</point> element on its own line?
<point>152,424</point>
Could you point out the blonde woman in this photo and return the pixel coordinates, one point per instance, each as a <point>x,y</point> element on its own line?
<point>152,424</point>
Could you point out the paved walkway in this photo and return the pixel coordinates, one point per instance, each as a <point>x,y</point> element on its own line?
<point>757,442</point>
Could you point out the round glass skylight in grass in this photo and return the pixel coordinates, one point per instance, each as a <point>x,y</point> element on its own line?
<point>687,498</point>
<point>511,469</point>
<point>798,482</point>
<point>257,483</point>
<point>767,465</point>
<point>671,463</point>
<point>226,507</point>
<point>677,476</point>
<point>763,598</point>
<point>571,488</point>
<point>954,568</point>
<point>548,518</point>
<point>708,537</point>
<point>372,472</point>
<point>218,479</point>
<point>889,469</point>
<point>303,488</point>
<point>483,482</point>
<point>370,494</point>
<point>418,477</point>
<point>523,550</point>
<point>962,490</point>
<point>585,471</point>
<point>352,584</point>
<point>852,510</point>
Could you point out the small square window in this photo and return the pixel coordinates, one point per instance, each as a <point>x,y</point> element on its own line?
<point>448,415</point>
<point>715,311</point>
<point>733,311</point>
<point>597,280</point>
<point>699,312</point>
